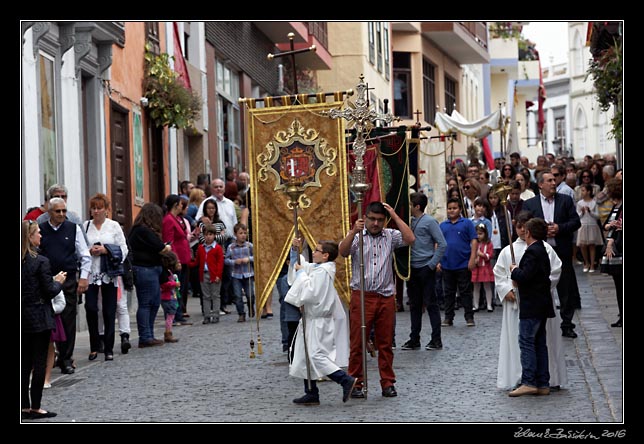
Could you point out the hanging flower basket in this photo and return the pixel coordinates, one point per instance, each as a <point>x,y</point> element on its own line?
<point>169,102</point>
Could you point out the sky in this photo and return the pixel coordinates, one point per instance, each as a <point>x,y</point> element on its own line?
<point>551,40</point>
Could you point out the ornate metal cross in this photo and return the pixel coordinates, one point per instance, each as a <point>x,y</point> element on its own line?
<point>361,117</point>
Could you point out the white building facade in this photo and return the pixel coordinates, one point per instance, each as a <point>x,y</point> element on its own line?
<point>590,126</point>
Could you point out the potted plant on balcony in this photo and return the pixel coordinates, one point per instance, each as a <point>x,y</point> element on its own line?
<point>504,30</point>
<point>170,103</point>
<point>607,72</point>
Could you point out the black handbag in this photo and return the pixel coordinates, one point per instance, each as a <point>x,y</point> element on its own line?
<point>611,265</point>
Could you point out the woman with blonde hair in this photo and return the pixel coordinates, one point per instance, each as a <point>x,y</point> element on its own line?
<point>37,290</point>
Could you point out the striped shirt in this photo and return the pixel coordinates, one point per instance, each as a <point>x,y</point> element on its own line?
<point>378,261</point>
<point>236,251</point>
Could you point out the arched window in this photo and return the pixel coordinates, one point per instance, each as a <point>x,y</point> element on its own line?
<point>580,131</point>
<point>578,55</point>
<point>601,130</point>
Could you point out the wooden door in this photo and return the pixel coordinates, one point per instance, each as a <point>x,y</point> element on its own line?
<point>120,161</point>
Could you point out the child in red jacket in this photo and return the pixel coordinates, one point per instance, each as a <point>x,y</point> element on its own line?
<point>210,262</point>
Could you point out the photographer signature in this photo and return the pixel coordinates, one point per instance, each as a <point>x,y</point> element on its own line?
<point>561,433</point>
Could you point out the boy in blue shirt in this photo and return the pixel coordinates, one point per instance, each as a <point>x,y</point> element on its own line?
<point>458,262</point>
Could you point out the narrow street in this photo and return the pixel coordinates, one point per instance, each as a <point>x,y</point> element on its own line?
<point>209,377</point>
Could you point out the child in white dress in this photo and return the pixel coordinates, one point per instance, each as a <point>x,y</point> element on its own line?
<point>589,234</point>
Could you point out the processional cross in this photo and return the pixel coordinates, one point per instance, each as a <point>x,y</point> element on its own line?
<point>292,53</point>
<point>361,117</point>
<point>294,190</point>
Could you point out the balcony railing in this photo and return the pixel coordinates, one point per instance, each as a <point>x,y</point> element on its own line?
<point>318,30</point>
<point>478,30</point>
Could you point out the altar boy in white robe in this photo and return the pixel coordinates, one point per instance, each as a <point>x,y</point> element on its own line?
<point>509,370</point>
<point>326,335</point>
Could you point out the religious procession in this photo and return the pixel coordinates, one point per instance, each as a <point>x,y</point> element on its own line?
<point>337,199</point>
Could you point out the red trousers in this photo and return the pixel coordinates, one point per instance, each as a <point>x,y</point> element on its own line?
<point>380,312</point>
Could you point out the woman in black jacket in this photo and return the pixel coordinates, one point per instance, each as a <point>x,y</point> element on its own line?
<point>38,289</point>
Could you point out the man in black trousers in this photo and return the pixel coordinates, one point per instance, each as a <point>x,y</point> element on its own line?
<point>558,210</point>
<point>64,245</point>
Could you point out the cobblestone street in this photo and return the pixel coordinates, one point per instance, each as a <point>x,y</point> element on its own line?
<point>208,376</point>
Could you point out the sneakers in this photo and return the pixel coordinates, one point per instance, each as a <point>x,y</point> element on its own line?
<point>434,345</point>
<point>470,323</point>
<point>447,323</point>
<point>307,399</point>
<point>180,323</point>
<point>347,388</point>
<point>411,345</point>
<point>523,390</point>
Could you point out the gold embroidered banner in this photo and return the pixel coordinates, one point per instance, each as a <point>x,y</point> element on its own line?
<point>296,142</point>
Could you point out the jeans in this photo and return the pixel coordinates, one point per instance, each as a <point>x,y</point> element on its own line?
<point>534,353</point>
<point>421,291</point>
<point>463,280</point>
<point>248,286</point>
<point>148,294</point>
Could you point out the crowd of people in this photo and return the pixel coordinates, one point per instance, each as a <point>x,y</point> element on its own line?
<point>519,256</point>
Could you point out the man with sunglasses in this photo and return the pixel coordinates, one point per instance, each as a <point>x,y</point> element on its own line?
<point>559,172</point>
<point>64,245</point>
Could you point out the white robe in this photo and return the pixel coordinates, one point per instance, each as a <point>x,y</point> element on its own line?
<point>509,370</point>
<point>327,331</point>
